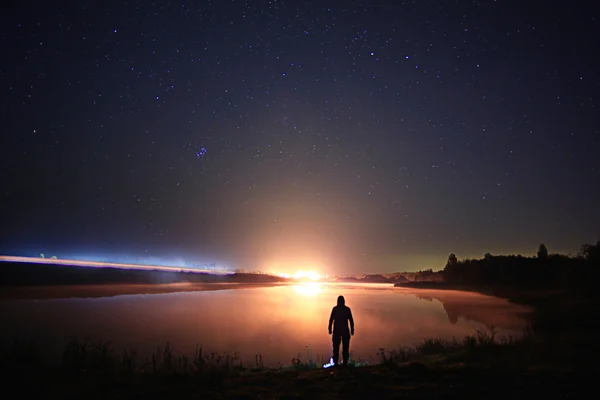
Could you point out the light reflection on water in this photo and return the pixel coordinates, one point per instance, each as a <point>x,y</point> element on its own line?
<point>277,322</point>
<point>309,288</point>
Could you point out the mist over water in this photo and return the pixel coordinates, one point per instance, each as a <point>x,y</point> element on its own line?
<point>277,322</point>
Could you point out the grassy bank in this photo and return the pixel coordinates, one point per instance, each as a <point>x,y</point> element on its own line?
<point>476,364</point>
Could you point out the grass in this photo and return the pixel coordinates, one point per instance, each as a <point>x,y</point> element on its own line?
<point>94,369</point>
<point>96,357</point>
<point>90,357</point>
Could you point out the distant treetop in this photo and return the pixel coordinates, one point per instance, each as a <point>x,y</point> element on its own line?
<point>542,251</point>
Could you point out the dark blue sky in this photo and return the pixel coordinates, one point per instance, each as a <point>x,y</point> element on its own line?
<point>347,135</point>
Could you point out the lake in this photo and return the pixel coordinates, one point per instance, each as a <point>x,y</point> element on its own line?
<point>279,322</point>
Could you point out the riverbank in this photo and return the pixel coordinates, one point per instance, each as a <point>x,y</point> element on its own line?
<point>381,382</point>
<point>111,290</point>
<point>474,366</point>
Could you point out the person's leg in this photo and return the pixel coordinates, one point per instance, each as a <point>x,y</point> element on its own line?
<point>346,348</point>
<point>336,348</point>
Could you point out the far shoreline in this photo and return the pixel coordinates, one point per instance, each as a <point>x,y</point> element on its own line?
<point>100,290</point>
<point>524,296</point>
<point>38,281</point>
<point>85,291</point>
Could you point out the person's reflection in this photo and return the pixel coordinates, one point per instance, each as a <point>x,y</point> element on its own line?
<point>340,316</point>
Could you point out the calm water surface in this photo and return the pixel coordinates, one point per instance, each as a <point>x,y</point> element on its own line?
<point>277,322</point>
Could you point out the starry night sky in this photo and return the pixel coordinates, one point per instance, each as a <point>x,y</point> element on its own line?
<point>352,136</point>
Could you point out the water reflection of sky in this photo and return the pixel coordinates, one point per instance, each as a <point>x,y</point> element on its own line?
<point>277,322</point>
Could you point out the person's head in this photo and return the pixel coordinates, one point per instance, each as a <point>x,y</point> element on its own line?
<point>341,301</point>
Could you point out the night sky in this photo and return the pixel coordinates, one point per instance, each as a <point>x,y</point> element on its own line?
<point>341,135</point>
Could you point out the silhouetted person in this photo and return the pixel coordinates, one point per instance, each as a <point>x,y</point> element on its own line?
<point>340,316</point>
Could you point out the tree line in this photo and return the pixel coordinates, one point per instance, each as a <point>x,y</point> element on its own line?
<point>544,270</point>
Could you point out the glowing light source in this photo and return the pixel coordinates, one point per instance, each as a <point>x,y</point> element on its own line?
<point>301,276</point>
<point>310,275</point>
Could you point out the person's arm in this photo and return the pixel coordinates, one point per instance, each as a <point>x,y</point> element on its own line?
<point>351,321</point>
<point>330,321</point>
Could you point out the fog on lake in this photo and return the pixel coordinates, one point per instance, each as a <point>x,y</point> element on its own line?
<point>278,322</point>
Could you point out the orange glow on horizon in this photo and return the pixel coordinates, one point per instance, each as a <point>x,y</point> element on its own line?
<point>301,275</point>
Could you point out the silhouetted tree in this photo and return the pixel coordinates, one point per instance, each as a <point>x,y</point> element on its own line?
<point>452,260</point>
<point>451,273</point>
<point>542,252</point>
<point>591,252</point>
